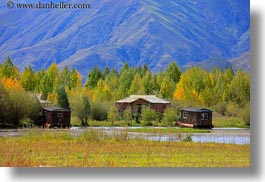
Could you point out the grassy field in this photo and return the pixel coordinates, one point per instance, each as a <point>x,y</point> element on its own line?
<point>94,148</point>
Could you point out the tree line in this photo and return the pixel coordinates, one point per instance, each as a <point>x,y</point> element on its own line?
<point>225,91</point>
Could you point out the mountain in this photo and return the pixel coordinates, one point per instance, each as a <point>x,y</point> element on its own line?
<point>112,32</point>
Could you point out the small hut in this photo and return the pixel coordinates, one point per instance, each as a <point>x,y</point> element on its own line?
<point>195,118</point>
<point>56,117</point>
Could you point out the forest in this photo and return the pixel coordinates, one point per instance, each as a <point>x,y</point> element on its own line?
<point>225,91</point>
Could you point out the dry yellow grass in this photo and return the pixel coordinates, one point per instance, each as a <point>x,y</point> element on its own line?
<point>96,149</point>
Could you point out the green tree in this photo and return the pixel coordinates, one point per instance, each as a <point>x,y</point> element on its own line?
<point>65,77</point>
<point>4,105</point>
<point>135,87</point>
<point>127,116</point>
<point>85,111</point>
<point>93,77</point>
<point>113,114</point>
<point>9,70</point>
<point>148,116</point>
<point>239,90</point>
<point>99,110</point>
<point>125,80</point>
<point>173,71</point>
<point>75,79</point>
<point>62,98</point>
<point>28,79</point>
<point>167,87</point>
<point>170,116</point>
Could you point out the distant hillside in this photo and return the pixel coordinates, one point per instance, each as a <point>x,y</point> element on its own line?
<point>112,32</point>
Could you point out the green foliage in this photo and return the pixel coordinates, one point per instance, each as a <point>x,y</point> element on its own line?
<point>81,107</point>
<point>149,116</point>
<point>170,116</point>
<point>9,70</point>
<point>188,138</point>
<point>113,114</point>
<point>62,98</point>
<point>245,114</point>
<point>127,116</point>
<point>99,110</point>
<point>93,77</point>
<point>4,105</point>
<point>173,71</point>
<point>28,79</point>
<point>167,88</point>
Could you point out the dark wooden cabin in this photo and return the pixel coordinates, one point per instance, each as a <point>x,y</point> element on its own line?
<point>56,117</point>
<point>137,102</point>
<point>195,118</point>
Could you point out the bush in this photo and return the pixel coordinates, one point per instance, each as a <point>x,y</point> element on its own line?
<point>113,114</point>
<point>245,114</point>
<point>170,117</point>
<point>26,122</point>
<point>188,138</point>
<point>148,116</point>
<point>99,111</point>
<point>220,108</point>
<point>127,116</point>
<point>232,110</point>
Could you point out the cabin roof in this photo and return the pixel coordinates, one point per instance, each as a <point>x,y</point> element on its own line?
<point>191,109</point>
<point>54,108</point>
<point>148,98</point>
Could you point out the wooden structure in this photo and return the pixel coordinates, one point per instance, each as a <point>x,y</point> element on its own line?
<point>137,102</point>
<point>56,117</point>
<point>195,118</point>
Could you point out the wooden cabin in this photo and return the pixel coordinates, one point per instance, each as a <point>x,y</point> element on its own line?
<point>195,118</point>
<point>137,102</point>
<point>56,117</point>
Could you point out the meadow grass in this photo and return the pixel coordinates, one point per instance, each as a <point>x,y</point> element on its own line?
<point>95,148</point>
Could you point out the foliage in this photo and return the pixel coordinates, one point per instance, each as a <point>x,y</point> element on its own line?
<point>28,79</point>
<point>99,110</point>
<point>170,117</point>
<point>245,114</point>
<point>173,71</point>
<point>113,114</point>
<point>9,70</point>
<point>224,91</point>
<point>149,115</point>
<point>188,138</point>
<point>93,77</point>
<point>127,116</point>
<point>62,98</point>
<point>80,106</point>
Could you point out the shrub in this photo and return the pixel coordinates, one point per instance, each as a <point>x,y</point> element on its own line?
<point>221,108</point>
<point>127,116</point>
<point>170,116</point>
<point>149,115</point>
<point>113,114</point>
<point>188,138</point>
<point>99,111</point>
<point>232,110</point>
<point>245,114</point>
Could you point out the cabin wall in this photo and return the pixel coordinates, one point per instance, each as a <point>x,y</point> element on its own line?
<point>159,107</point>
<point>196,118</point>
<point>58,118</point>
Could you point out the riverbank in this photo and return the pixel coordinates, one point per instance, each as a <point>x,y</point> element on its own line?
<point>97,148</point>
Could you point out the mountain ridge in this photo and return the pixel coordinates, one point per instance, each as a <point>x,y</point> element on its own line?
<point>138,32</point>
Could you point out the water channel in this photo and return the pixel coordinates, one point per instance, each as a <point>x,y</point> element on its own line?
<point>218,135</point>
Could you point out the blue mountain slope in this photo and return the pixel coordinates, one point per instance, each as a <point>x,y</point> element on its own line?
<point>112,32</point>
